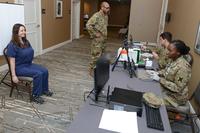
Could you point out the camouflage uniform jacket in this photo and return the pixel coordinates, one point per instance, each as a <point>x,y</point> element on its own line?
<point>163,58</point>
<point>175,80</point>
<point>97,24</point>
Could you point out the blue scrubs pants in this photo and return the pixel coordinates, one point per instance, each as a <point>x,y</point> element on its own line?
<point>40,77</point>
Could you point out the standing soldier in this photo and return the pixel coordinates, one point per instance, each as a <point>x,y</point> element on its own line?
<point>97,28</point>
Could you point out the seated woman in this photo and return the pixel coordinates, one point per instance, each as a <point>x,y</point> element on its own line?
<point>21,55</point>
<point>175,77</point>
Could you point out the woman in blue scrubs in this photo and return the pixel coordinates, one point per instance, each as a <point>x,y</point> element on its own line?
<point>21,56</point>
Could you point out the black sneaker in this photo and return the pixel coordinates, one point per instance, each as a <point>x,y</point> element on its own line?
<point>48,93</point>
<point>38,99</point>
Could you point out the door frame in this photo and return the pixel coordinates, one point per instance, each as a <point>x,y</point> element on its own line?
<point>39,24</point>
<point>78,7</point>
<point>71,11</point>
<point>76,27</point>
<point>162,18</point>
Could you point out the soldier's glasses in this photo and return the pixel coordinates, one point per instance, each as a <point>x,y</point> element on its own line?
<point>107,7</point>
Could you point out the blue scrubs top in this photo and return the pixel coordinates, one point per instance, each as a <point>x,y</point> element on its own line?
<point>23,56</point>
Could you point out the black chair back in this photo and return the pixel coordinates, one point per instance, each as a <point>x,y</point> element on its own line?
<point>8,62</point>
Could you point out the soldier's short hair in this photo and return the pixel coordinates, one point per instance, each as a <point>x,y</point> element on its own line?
<point>103,3</point>
<point>167,36</point>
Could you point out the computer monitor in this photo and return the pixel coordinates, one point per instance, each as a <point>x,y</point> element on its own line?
<point>101,75</point>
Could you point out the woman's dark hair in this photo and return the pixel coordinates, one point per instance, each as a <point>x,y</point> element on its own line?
<point>181,47</point>
<point>15,37</point>
<point>167,36</point>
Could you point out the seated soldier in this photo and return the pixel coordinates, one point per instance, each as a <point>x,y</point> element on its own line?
<point>175,77</point>
<point>160,52</point>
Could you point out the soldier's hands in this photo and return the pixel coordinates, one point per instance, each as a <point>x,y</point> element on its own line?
<point>143,47</point>
<point>155,55</point>
<point>151,72</point>
<point>155,77</point>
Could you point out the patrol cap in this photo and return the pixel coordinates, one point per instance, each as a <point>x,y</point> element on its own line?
<point>152,100</point>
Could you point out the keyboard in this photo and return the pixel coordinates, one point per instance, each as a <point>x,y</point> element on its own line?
<point>153,118</point>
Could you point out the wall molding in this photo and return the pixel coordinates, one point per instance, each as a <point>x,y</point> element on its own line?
<point>3,67</point>
<point>55,46</point>
<point>82,35</point>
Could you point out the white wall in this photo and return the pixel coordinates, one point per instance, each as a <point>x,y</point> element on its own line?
<point>9,14</point>
<point>145,19</point>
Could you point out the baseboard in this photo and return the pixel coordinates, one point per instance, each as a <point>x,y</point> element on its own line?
<point>55,46</point>
<point>82,35</point>
<point>193,112</point>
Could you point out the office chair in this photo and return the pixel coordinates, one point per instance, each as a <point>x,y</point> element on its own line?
<point>25,83</point>
<point>183,113</point>
<point>101,76</point>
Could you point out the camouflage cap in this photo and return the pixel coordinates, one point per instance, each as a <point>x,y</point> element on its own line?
<point>152,100</point>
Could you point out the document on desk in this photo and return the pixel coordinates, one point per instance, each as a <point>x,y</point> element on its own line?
<point>119,121</point>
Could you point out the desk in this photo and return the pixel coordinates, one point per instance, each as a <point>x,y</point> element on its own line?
<point>88,119</point>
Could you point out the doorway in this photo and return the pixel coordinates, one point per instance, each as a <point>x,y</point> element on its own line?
<point>118,17</point>
<point>32,14</point>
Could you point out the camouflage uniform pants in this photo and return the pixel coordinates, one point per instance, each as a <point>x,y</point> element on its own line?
<point>97,49</point>
<point>168,101</point>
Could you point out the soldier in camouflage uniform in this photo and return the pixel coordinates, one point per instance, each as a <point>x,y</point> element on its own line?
<point>160,53</point>
<point>189,58</point>
<point>175,77</point>
<point>97,28</point>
